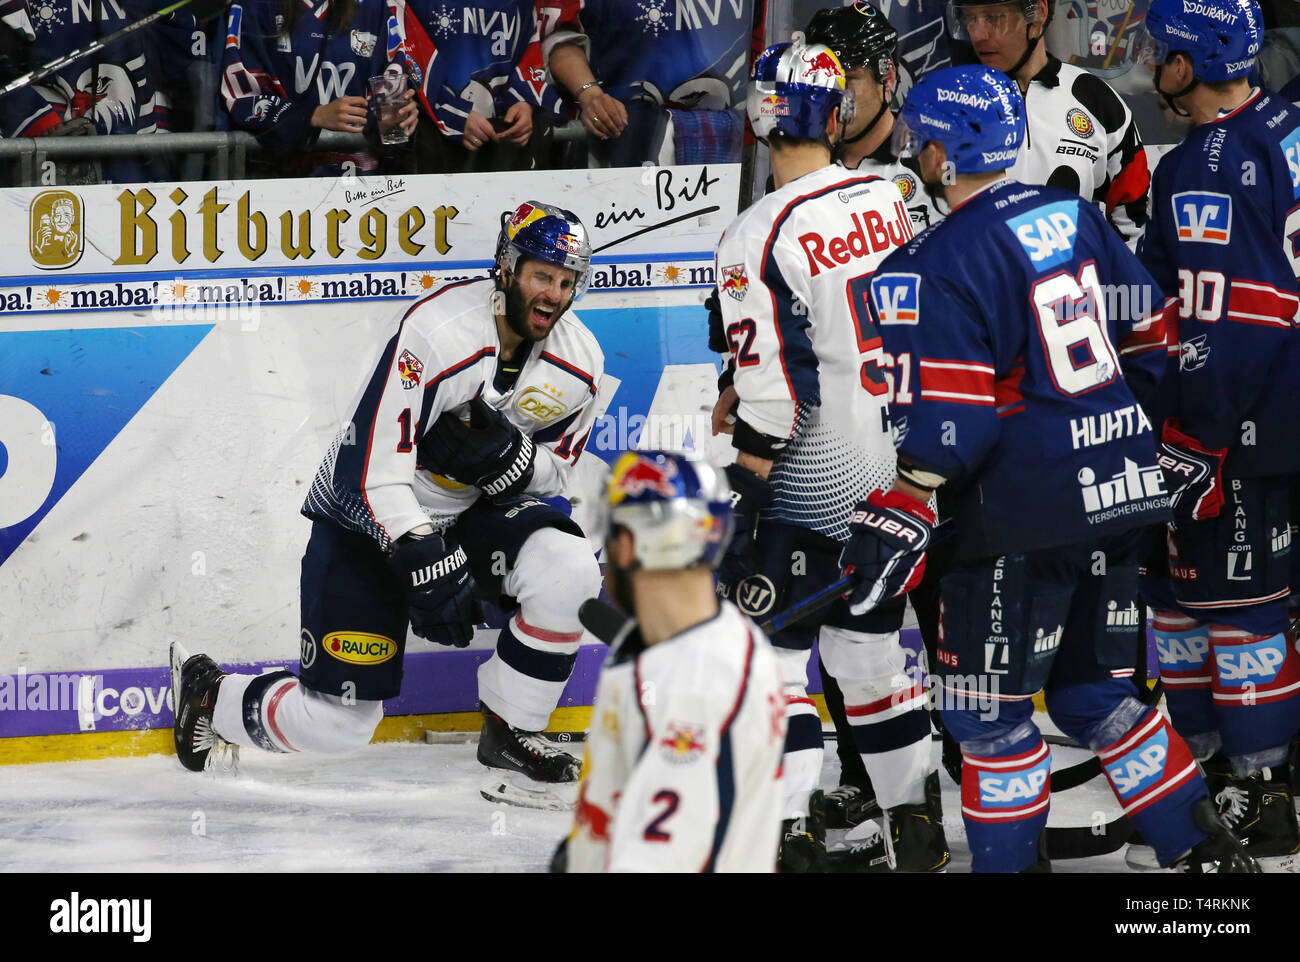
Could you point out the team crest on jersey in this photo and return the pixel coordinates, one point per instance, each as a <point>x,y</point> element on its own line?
<point>682,743</point>
<point>1078,122</point>
<point>734,281</point>
<point>1193,354</point>
<point>906,185</point>
<point>363,43</point>
<point>1203,217</point>
<point>410,369</point>
<point>897,298</point>
<point>1048,233</point>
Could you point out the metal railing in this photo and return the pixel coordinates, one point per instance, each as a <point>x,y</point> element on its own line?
<point>229,149</point>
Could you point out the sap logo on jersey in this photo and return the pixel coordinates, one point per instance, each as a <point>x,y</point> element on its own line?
<point>1012,790</point>
<point>1047,233</point>
<point>1291,150</point>
<point>1258,661</point>
<point>1131,772</point>
<point>1203,217</point>
<point>1190,651</point>
<point>897,298</point>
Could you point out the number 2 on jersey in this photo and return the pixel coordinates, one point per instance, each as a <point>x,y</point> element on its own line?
<point>654,832</point>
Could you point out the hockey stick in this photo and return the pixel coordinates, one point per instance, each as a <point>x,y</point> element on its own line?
<point>202,9</point>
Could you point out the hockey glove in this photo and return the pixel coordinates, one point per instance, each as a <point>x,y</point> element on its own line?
<point>885,553</point>
<point>489,452</point>
<point>439,588</point>
<point>750,494</point>
<point>717,336</point>
<point>1193,475</point>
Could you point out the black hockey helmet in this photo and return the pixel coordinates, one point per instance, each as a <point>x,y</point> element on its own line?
<point>860,35</point>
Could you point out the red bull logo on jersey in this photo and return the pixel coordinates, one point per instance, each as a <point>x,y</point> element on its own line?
<point>870,234</point>
<point>897,298</point>
<point>682,743</point>
<point>409,369</point>
<point>734,281</point>
<point>823,61</point>
<point>634,475</point>
<point>1203,217</point>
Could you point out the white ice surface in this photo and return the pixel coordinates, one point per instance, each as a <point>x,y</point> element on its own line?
<point>391,807</point>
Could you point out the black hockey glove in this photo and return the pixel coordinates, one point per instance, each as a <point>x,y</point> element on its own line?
<point>439,588</point>
<point>885,553</point>
<point>717,336</point>
<point>750,494</point>
<point>1193,474</point>
<point>489,452</point>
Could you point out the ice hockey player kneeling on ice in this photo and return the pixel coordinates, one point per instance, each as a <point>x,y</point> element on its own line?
<point>414,514</point>
<point>682,772</point>
<point>1001,308</point>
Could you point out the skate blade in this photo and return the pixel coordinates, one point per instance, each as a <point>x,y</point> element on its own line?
<point>1279,864</point>
<point>1142,858</point>
<point>177,656</point>
<point>511,788</point>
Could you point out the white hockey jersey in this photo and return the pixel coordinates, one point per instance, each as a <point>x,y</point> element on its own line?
<point>1080,136</point>
<point>682,765</point>
<point>920,205</point>
<point>444,353</point>
<point>793,273</point>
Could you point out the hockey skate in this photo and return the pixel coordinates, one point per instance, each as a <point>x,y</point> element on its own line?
<point>803,840</point>
<point>528,771</point>
<point>912,840</point>
<point>1221,853</point>
<point>1260,810</point>
<point>195,680</point>
<point>849,806</point>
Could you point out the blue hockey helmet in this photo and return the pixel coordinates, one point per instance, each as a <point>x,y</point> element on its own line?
<point>677,508</point>
<point>1222,37</point>
<point>793,89</point>
<point>545,233</point>
<point>976,112</point>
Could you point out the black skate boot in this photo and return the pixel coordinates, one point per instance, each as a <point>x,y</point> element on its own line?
<point>912,840</point>
<point>803,840</point>
<point>1260,810</point>
<point>195,681</point>
<point>528,770</point>
<point>1222,853</point>
<point>850,805</point>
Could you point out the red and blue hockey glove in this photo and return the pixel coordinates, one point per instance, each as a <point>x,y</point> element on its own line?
<point>439,588</point>
<point>885,553</point>
<point>489,452</point>
<point>1193,474</point>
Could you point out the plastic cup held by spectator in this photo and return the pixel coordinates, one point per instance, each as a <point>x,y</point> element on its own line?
<point>388,95</point>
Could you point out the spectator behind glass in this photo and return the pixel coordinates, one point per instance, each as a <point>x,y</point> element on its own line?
<point>125,88</point>
<point>293,68</point>
<point>652,84</point>
<point>483,84</point>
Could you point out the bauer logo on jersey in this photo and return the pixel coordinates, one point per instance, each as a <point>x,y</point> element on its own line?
<point>57,229</point>
<point>1291,150</point>
<point>1079,122</point>
<point>1203,217</point>
<point>734,281</point>
<point>540,405</point>
<point>897,298</point>
<point>410,369</point>
<point>1048,233</point>
<point>359,648</point>
<point>682,743</point>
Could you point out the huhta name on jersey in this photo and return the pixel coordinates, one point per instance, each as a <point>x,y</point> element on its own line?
<point>871,234</point>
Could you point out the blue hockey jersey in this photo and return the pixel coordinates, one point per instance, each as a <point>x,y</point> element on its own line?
<point>273,81</point>
<point>485,57</point>
<point>1025,335</point>
<point>128,87</point>
<point>687,53</point>
<point>1224,244</point>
